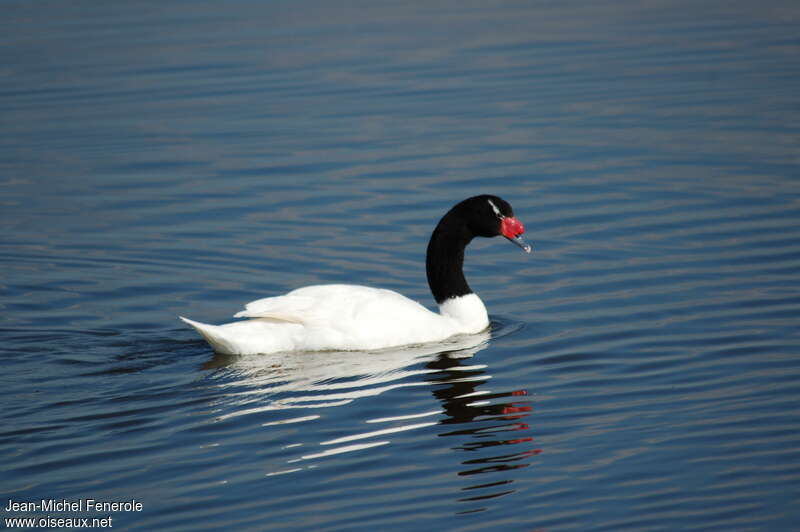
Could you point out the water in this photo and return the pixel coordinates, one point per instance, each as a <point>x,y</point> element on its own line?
<point>168,158</point>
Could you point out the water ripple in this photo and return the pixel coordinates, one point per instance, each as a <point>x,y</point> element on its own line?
<point>642,367</point>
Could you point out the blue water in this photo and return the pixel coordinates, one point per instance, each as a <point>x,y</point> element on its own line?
<point>642,371</point>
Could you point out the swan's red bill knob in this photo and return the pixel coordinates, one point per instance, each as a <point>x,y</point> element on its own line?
<point>512,229</point>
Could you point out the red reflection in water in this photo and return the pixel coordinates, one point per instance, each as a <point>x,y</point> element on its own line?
<point>483,418</point>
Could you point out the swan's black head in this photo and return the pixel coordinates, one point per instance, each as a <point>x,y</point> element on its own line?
<point>485,216</point>
<point>490,216</point>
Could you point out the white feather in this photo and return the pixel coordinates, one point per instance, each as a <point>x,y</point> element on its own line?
<point>341,317</point>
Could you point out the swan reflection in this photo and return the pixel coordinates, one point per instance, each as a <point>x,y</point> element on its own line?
<point>325,378</point>
<point>484,429</point>
<point>486,424</point>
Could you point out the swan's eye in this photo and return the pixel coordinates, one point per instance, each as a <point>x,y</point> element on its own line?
<point>496,210</point>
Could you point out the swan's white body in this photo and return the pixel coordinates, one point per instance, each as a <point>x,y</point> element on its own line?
<point>341,317</point>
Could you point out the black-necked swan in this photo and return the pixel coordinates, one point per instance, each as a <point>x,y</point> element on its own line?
<point>350,317</point>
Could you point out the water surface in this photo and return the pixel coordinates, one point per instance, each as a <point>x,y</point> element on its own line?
<point>642,369</point>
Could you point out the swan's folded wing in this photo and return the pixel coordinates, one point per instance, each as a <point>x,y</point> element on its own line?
<point>291,308</point>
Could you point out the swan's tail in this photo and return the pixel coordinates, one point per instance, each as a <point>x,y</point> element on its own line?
<point>215,335</point>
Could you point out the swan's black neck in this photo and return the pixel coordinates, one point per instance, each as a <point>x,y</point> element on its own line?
<point>477,216</point>
<point>445,258</point>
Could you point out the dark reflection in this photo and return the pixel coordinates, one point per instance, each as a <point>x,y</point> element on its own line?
<point>488,425</point>
<point>485,429</point>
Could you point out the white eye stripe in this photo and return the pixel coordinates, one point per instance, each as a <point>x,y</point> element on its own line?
<point>495,209</point>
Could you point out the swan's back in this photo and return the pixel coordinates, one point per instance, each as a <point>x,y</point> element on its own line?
<point>328,317</point>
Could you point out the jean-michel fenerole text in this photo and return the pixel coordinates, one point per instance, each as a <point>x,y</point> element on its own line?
<point>78,505</point>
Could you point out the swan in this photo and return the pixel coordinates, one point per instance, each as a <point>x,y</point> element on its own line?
<point>345,317</point>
